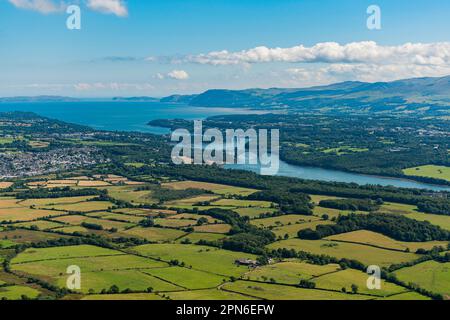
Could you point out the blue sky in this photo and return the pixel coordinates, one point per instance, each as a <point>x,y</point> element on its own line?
<point>161,47</point>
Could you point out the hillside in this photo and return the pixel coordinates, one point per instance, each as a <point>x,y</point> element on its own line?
<point>421,95</point>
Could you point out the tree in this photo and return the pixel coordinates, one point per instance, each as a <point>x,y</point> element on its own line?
<point>354,288</point>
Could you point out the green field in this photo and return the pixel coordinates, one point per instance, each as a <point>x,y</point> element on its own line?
<point>254,212</point>
<point>16,292</point>
<point>209,294</point>
<point>345,279</point>
<point>53,268</point>
<point>124,296</point>
<point>197,236</point>
<point>280,292</point>
<point>214,187</point>
<point>379,240</point>
<point>430,171</point>
<point>365,254</point>
<point>217,261</point>
<point>293,229</point>
<point>54,253</point>
<point>187,278</point>
<point>430,275</point>
<point>289,272</point>
<point>155,234</point>
<point>282,220</point>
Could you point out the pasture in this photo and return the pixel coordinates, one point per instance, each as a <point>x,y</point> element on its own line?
<point>155,234</point>
<point>430,275</point>
<point>429,171</point>
<point>365,254</point>
<point>187,278</point>
<point>282,220</point>
<point>289,272</point>
<point>281,292</point>
<point>54,253</point>
<point>195,237</point>
<point>209,259</point>
<point>214,187</point>
<point>346,278</point>
<point>292,229</point>
<point>379,240</point>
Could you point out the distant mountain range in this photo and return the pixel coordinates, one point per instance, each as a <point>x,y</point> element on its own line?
<point>418,95</point>
<point>410,95</point>
<point>38,99</point>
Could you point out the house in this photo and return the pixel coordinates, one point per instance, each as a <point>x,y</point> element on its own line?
<point>246,262</point>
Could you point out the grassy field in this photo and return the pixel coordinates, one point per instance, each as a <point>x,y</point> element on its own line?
<point>82,206</point>
<point>333,213</point>
<point>379,240</point>
<point>193,200</point>
<point>54,268</point>
<point>174,223</point>
<point>129,194</point>
<point>282,220</point>
<point>405,296</point>
<point>40,225</point>
<point>430,171</point>
<point>209,294</point>
<point>115,217</point>
<point>26,214</point>
<point>197,236</point>
<point>28,236</point>
<point>345,279</point>
<point>76,220</point>
<point>430,275</point>
<point>187,278</point>
<point>125,279</point>
<point>217,261</point>
<point>293,229</point>
<point>16,292</point>
<point>155,234</point>
<point>124,296</point>
<point>365,254</point>
<point>213,228</point>
<point>280,292</point>
<point>254,212</point>
<point>54,201</point>
<point>289,272</point>
<point>81,251</point>
<point>243,203</point>
<point>216,188</point>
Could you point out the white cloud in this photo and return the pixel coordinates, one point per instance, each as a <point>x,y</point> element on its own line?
<point>117,7</point>
<point>42,6</point>
<point>178,75</point>
<point>312,75</point>
<point>331,52</point>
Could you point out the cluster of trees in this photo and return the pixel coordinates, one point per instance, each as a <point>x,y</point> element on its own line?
<point>59,193</point>
<point>244,236</point>
<point>436,206</point>
<point>295,186</point>
<point>395,226</point>
<point>166,194</point>
<point>92,226</point>
<point>352,204</point>
<point>289,202</point>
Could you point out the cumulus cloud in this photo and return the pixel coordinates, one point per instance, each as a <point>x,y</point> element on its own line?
<point>331,52</point>
<point>178,75</point>
<point>117,7</point>
<point>309,75</point>
<point>42,6</point>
